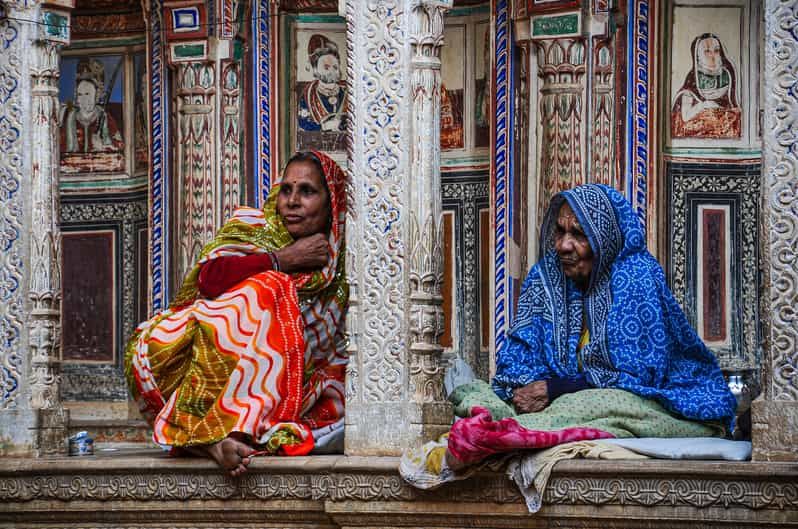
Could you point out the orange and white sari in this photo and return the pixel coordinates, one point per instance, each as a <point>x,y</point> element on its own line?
<point>265,360</point>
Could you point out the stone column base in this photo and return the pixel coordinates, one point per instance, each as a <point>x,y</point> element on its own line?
<point>774,430</point>
<point>429,420</point>
<point>388,429</point>
<point>51,432</point>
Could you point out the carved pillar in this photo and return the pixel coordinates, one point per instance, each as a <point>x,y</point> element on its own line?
<point>432,414</point>
<point>32,418</point>
<point>44,321</point>
<point>775,413</point>
<point>602,133</point>
<point>561,67</point>
<point>16,417</point>
<point>231,135</point>
<point>394,386</point>
<point>195,141</point>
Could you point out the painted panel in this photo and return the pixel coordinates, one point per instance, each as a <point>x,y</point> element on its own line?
<point>465,194</point>
<point>713,266</point>
<point>319,114</point>
<point>714,274</point>
<point>448,287</point>
<point>125,216</point>
<point>91,116</point>
<point>142,280</point>
<point>140,131</point>
<point>89,304</point>
<point>482,69</point>
<point>187,21</point>
<point>453,70</point>
<point>542,6</point>
<point>705,72</point>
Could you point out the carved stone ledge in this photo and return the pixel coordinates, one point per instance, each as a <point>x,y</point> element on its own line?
<point>333,491</point>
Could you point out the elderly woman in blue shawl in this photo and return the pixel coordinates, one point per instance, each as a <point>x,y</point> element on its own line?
<point>599,347</point>
<point>596,312</point>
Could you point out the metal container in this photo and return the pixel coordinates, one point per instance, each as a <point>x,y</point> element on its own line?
<point>81,444</point>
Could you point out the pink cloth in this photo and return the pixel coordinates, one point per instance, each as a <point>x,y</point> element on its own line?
<point>479,436</point>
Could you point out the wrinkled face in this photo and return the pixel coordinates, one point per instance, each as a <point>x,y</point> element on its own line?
<point>709,54</point>
<point>327,69</point>
<point>572,246</point>
<point>85,95</point>
<point>303,200</point>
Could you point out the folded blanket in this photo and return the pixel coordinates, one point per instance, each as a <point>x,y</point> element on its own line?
<point>531,471</point>
<point>584,415</point>
<point>580,424</point>
<point>705,448</point>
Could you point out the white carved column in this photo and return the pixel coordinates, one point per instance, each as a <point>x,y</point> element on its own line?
<point>45,280</point>
<point>32,418</point>
<point>774,414</point>
<point>394,387</point>
<point>16,417</point>
<point>432,414</point>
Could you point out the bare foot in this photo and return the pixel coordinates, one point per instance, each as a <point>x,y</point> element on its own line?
<point>231,454</point>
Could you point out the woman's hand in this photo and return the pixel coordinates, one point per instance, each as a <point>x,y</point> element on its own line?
<point>307,253</point>
<point>531,398</point>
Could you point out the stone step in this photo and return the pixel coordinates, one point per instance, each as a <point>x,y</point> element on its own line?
<point>114,434</point>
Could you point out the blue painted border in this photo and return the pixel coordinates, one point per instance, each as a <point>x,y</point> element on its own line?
<point>261,29</point>
<point>159,170</point>
<point>638,96</point>
<point>503,170</point>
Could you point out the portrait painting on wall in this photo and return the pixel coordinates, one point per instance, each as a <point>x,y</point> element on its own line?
<point>482,104</point>
<point>91,114</point>
<point>705,83</point>
<point>453,69</point>
<point>320,89</point>
<point>140,105</point>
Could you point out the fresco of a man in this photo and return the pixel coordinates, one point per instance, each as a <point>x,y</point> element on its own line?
<point>322,101</point>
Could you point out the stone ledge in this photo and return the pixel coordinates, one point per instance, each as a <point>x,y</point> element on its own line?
<point>155,490</point>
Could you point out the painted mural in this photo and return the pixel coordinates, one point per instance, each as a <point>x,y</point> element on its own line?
<point>320,91</point>
<point>482,106</point>
<point>452,73</point>
<point>705,85</point>
<point>706,105</point>
<point>91,114</point>
<point>140,146</point>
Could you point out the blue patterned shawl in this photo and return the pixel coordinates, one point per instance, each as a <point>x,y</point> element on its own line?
<point>640,340</point>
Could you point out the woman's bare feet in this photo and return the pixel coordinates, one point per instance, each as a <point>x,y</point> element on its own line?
<point>231,454</point>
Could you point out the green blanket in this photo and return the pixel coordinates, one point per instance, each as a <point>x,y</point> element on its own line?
<point>616,411</point>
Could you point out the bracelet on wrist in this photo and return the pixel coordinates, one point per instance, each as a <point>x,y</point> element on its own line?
<point>275,261</point>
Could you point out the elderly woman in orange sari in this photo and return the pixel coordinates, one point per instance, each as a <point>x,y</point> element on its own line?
<point>250,356</point>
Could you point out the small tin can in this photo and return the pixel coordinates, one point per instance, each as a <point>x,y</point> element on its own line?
<point>81,444</point>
